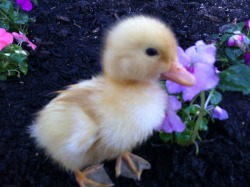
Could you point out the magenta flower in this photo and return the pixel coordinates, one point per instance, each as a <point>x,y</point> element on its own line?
<point>24,4</point>
<point>219,113</point>
<point>247,58</point>
<point>236,40</point>
<point>5,38</point>
<point>172,122</point>
<point>248,25</point>
<point>23,38</point>
<point>198,60</point>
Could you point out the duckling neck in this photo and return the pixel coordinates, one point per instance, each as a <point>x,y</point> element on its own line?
<point>129,83</point>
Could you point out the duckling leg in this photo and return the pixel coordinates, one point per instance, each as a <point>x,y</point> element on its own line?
<point>130,165</point>
<point>94,176</point>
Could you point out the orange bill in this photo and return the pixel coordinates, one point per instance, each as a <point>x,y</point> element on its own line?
<point>179,74</point>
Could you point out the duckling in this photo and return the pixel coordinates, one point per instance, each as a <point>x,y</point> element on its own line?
<point>106,117</point>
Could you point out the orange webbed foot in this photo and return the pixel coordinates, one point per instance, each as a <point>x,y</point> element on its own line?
<point>131,166</point>
<point>94,176</point>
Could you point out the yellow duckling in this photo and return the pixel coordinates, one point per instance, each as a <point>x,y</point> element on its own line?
<point>106,117</point>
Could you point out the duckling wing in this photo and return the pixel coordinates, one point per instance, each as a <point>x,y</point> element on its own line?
<point>68,126</point>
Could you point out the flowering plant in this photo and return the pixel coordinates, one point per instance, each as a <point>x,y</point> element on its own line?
<point>12,56</point>
<point>191,108</point>
<point>233,44</point>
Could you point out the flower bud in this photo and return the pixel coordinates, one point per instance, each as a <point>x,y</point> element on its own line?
<point>247,58</point>
<point>248,25</point>
<point>219,113</point>
<point>236,40</point>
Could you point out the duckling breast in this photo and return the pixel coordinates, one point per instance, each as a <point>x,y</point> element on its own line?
<point>131,118</point>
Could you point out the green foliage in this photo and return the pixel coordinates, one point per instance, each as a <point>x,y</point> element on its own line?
<point>233,53</point>
<point>35,2</point>
<point>165,137</point>
<point>183,138</point>
<point>235,78</point>
<point>216,98</point>
<point>11,19</point>
<point>13,59</point>
<point>195,116</point>
<point>228,56</point>
<point>13,62</point>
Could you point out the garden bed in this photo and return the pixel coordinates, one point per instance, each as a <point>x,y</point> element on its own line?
<point>69,39</point>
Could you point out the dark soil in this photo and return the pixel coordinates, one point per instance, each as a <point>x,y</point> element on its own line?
<point>69,38</point>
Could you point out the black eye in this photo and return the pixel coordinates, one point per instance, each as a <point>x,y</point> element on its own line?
<point>151,52</point>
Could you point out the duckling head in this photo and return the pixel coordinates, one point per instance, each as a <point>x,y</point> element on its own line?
<point>140,49</point>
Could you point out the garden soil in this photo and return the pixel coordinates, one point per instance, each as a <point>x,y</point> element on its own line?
<point>69,37</point>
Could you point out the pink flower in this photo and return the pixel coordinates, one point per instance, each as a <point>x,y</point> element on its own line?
<point>198,60</point>
<point>172,122</point>
<point>24,4</point>
<point>248,25</point>
<point>247,58</point>
<point>23,38</point>
<point>5,38</point>
<point>219,113</point>
<point>236,40</point>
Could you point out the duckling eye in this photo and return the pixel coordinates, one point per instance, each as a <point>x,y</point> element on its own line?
<point>151,52</point>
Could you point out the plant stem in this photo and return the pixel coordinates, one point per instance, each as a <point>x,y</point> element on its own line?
<point>209,97</point>
<point>198,121</point>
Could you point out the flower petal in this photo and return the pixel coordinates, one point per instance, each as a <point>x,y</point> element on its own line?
<point>173,87</point>
<point>172,122</point>
<point>183,58</point>
<point>206,78</point>
<point>5,38</point>
<point>27,6</point>
<point>20,2</point>
<point>247,58</point>
<point>202,53</point>
<point>23,38</point>
<point>248,25</point>
<point>219,113</point>
<point>24,4</point>
<point>173,103</point>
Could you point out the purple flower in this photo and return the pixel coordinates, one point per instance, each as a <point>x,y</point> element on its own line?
<point>198,60</point>
<point>24,4</point>
<point>248,25</point>
<point>236,40</point>
<point>247,58</point>
<point>219,113</point>
<point>172,122</point>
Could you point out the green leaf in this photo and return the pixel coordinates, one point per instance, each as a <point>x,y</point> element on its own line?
<point>190,124</point>
<point>216,98</point>
<point>225,37</point>
<point>183,138</point>
<point>235,78</point>
<point>4,24</point>
<point>14,63</point>
<point>24,68</point>
<point>2,77</point>
<point>192,109</point>
<point>230,30</point>
<point>165,137</point>
<point>226,28</point>
<point>241,25</point>
<point>203,125</point>
<point>35,2</point>
<point>233,53</point>
<point>7,7</point>
<point>19,18</point>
